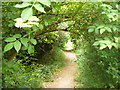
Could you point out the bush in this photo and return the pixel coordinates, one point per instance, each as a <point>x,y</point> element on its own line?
<point>19,74</point>
<point>16,76</point>
<point>97,69</point>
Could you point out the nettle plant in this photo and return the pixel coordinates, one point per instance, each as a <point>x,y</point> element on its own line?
<point>29,23</point>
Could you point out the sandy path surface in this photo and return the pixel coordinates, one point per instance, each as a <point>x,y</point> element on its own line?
<point>65,78</point>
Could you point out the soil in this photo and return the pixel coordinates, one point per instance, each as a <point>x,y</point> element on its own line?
<point>65,78</point>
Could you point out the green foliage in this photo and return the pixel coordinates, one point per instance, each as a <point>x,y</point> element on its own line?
<point>100,68</point>
<point>106,43</point>
<point>23,5</point>
<point>30,49</point>
<point>62,39</point>
<point>41,27</point>
<point>39,8</point>
<point>10,39</point>
<point>24,41</point>
<point>16,76</point>
<point>55,56</point>
<point>17,45</point>
<point>28,36</point>
<point>98,65</point>
<point>8,47</point>
<point>53,61</point>
<point>93,27</point>
<point>27,13</point>
<point>47,2</point>
<point>33,41</point>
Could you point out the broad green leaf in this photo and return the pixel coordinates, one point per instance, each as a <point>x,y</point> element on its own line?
<point>115,28</point>
<point>17,45</point>
<point>91,27</point>
<point>53,10</point>
<point>107,38</point>
<point>24,41</point>
<point>101,26</point>
<point>102,46</point>
<point>27,13</point>
<point>108,29</point>
<point>10,39</point>
<point>116,39</point>
<point>41,26</point>
<point>24,48</point>
<point>8,47</point>
<point>30,49</point>
<point>115,45</point>
<point>17,36</point>
<point>39,8</point>
<point>46,23</point>
<point>96,31</point>
<point>102,30</point>
<point>96,43</point>
<point>109,46</point>
<point>22,5</point>
<point>33,41</point>
<point>46,2</point>
<point>90,30</point>
<point>35,28</point>
<point>104,41</point>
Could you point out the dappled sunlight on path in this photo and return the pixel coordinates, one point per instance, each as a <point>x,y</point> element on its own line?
<point>65,78</point>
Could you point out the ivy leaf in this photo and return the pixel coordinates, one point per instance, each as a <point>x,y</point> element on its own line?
<point>17,45</point>
<point>33,41</point>
<point>46,2</point>
<point>41,26</point>
<point>22,5</point>
<point>39,8</point>
<point>102,30</point>
<point>30,49</point>
<point>24,41</point>
<point>90,30</point>
<point>27,13</point>
<point>10,39</point>
<point>8,47</point>
<point>17,36</point>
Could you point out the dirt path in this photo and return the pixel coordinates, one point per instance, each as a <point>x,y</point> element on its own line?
<point>65,79</point>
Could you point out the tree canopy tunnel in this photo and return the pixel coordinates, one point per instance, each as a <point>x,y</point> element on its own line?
<point>36,27</point>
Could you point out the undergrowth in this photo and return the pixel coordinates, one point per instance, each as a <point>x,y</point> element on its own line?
<point>18,74</point>
<point>97,69</point>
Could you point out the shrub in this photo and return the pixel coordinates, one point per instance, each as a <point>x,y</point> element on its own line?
<point>19,74</point>
<point>97,69</point>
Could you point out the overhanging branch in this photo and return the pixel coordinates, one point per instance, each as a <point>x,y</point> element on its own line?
<point>48,31</point>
